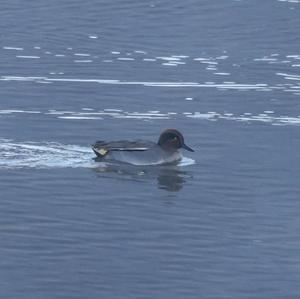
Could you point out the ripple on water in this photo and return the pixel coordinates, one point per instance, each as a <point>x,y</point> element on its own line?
<point>266,116</point>
<point>216,65</point>
<point>225,85</point>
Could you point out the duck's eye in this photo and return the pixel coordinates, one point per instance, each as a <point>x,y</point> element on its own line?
<point>175,138</point>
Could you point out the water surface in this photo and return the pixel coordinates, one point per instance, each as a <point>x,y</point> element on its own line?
<point>222,224</point>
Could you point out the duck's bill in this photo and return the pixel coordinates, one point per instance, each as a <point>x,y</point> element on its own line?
<point>187,148</point>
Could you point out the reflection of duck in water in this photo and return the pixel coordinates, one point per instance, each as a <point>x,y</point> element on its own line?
<point>143,152</point>
<point>169,177</point>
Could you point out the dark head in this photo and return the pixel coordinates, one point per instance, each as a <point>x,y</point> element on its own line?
<point>172,140</point>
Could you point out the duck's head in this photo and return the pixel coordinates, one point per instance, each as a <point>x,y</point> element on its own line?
<point>172,140</point>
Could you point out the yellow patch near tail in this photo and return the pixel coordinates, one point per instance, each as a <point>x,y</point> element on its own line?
<point>102,151</point>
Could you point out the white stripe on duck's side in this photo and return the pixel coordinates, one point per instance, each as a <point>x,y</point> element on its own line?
<point>103,151</point>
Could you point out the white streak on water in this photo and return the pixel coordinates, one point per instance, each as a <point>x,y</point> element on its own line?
<point>28,57</point>
<point>293,56</point>
<point>169,64</point>
<point>125,58</point>
<point>55,112</point>
<point>13,48</point>
<point>113,110</point>
<point>222,57</point>
<point>224,85</point>
<point>180,56</point>
<point>171,58</point>
<point>265,59</point>
<point>136,116</point>
<point>267,116</point>
<point>140,52</point>
<point>290,1</point>
<point>222,74</point>
<point>44,82</point>
<point>82,54</point>
<point>178,62</point>
<point>10,111</point>
<point>210,62</point>
<point>289,76</point>
<point>83,61</point>
<point>79,117</point>
<point>201,59</point>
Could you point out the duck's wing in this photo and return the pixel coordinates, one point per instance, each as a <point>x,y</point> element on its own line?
<point>101,148</point>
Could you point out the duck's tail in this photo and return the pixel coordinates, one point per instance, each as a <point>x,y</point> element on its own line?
<point>99,150</point>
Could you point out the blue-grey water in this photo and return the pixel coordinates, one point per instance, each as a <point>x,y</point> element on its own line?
<point>222,224</point>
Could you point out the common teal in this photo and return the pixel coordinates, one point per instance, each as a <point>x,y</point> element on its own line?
<point>143,152</point>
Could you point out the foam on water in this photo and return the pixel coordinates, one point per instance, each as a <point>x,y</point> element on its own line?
<point>43,155</point>
<point>185,161</point>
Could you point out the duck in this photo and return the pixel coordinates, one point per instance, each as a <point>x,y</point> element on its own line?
<point>143,152</point>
